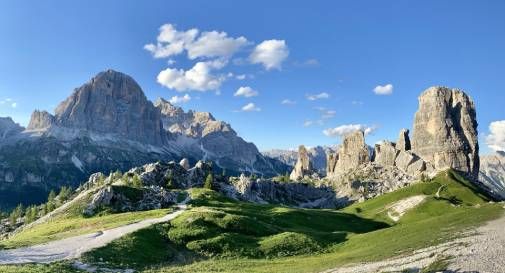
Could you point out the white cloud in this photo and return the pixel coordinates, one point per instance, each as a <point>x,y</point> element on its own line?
<point>171,42</point>
<point>241,77</point>
<point>179,100</point>
<point>251,107</point>
<point>171,61</point>
<point>215,44</point>
<point>270,53</point>
<point>14,105</point>
<point>348,128</point>
<point>357,102</point>
<point>496,139</point>
<point>199,77</point>
<point>209,44</point>
<point>383,89</point>
<point>246,91</point>
<point>288,102</point>
<point>319,96</point>
<point>308,123</point>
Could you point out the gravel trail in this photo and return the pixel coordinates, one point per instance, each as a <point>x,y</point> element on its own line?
<point>74,247</point>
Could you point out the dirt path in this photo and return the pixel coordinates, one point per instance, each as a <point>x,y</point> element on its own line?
<point>483,251</point>
<point>74,247</point>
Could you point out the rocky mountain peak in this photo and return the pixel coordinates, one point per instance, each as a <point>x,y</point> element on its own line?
<point>110,103</point>
<point>8,127</point>
<point>445,130</point>
<point>40,120</point>
<point>303,165</point>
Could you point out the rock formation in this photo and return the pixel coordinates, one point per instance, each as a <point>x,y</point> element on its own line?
<point>303,166</point>
<point>8,128</point>
<point>290,194</point>
<point>112,103</point>
<point>385,153</point>
<point>492,173</point>
<point>445,130</point>
<point>403,143</point>
<point>351,154</point>
<point>317,156</point>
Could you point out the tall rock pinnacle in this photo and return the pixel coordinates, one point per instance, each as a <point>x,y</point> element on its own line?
<point>445,130</point>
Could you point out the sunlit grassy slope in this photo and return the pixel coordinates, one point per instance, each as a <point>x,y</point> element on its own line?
<point>221,235</point>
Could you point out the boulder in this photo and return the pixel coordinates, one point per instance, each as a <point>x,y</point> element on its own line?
<point>404,159</point>
<point>445,130</point>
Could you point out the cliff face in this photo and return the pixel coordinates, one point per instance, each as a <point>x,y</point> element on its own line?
<point>112,103</point>
<point>445,130</point>
<point>351,154</point>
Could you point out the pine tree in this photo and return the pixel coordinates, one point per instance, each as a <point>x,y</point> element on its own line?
<point>169,181</point>
<point>137,182</point>
<point>208,182</point>
<point>64,194</point>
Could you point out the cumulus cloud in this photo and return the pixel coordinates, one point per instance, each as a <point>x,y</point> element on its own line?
<point>319,96</point>
<point>383,89</point>
<point>246,91</point>
<point>342,130</point>
<point>288,102</point>
<point>496,138</point>
<point>270,53</point>
<point>199,77</point>
<point>209,44</point>
<point>179,100</point>
<point>251,107</point>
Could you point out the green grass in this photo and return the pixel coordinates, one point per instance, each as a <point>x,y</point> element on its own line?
<point>222,235</point>
<point>40,268</point>
<point>68,226</point>
<point>139,249</point>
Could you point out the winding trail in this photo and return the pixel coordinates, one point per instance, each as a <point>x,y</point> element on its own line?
<point>74,247</point>
<point>481,251</point>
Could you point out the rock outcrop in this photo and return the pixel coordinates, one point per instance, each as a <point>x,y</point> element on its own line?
<point>8,128</point>
<point>303,166</point>
<point>492,173</point>
<point>317,156</point>
<point>290,194</point>
<point>445,130</point>
<point>385,153</point>
<point>351,154</point>
<point>403,143</point>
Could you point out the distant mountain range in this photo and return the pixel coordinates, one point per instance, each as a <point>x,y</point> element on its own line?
<point>108,124</point>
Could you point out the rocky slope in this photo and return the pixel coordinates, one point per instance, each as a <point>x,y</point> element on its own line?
<point>317,156</point>
<point>492,172</point>
<point>108,124</point>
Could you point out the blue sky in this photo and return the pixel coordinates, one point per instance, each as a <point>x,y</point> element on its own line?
<point>344,49</point>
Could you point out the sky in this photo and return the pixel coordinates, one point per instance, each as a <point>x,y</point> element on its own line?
<point>282,75</point>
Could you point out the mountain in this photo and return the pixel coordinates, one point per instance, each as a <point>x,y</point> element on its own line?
<point>317,156</point>
<point>492,172</point>
<point>109,124</point>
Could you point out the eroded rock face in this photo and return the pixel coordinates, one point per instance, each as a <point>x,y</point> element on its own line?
<point>403,143</point>
<point>303,165</point>
<point>112,103</point>
<point>385,153</point>
<point>8,128</point>
<point>492,173</point>
<point>351,154</point>
<point>291,194</point>
<point>445,130</point>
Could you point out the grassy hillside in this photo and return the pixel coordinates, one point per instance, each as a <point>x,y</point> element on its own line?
<point>221,235</point>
